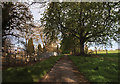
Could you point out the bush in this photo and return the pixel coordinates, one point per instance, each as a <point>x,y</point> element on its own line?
<point>65,52</point>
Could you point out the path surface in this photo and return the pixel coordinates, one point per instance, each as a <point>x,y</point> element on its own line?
<point>64,71</point>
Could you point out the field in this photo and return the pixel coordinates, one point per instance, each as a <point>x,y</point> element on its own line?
<point>31,73</point>
<point>110,51</point>
<point>98,69</point>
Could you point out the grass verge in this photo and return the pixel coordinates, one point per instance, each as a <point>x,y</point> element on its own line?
<point>98,69</point>
<point>31,73</point>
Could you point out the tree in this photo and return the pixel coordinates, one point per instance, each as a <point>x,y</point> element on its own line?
<point>88,22</point>
<point>40,50</point>
<point>68,43</point>
<point>16,22</point>
<point>30,48</point>
<point>14,17</point>
<point>86,49</point>
<point>107,45</point>
<point>44,49</point>
<point>57,50</point>
<point>27,34</point>
<point>96,50</point>
<point>6,51</point>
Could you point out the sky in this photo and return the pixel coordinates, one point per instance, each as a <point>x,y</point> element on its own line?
<point>36,11</point>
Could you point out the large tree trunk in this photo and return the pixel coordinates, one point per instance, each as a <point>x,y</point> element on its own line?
<point>82,48</point>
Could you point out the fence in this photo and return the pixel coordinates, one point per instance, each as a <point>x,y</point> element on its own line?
<point>22,59</point>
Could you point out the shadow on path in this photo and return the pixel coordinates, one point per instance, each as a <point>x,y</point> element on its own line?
<point>64,71</point>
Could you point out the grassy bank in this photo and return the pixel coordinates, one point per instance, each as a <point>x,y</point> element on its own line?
<point>31,73</point>
<point>98,69</point>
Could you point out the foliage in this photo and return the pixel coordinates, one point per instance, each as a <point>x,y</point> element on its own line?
<point>40,50</point>
<point>98,69</point>
<point>6,51</point>
<point>86,49</point>
<point>88,22</point>
<point>31,73</point>
<point>51,47</point>
<point>14,17</point>
<point>27,34</point>
<point>7,44</point>
<point>30,47</point>
<point>67,43</point>
<point>16,22</point>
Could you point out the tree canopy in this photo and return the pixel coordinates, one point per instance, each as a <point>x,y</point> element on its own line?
<point>88,22</point>
<point>15,16</point>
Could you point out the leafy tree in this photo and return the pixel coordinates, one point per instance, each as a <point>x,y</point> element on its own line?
<point>65,45</point>
<point>14,17</point>
<point>30,48</point>
<point>68,43</point>
<point>88,22</point>
<point>6,51</point>
<point>27,34</point>
<point>16,21</point>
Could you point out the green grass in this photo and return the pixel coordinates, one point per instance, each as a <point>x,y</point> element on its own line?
<point>110,51</point>
<point>31,73</point>
<point>98,69</point>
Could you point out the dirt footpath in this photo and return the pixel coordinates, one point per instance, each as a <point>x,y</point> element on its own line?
<point>64,71</point>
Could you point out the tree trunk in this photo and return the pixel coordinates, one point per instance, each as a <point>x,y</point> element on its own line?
<point>74,51</point>
<point>15,59</point>
<point>106,51</point>
<point>82,48</point>
<point>96,52</point>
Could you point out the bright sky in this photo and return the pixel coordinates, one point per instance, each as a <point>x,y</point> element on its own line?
<point>36,11</point>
